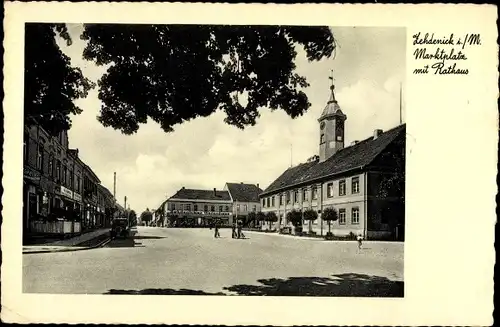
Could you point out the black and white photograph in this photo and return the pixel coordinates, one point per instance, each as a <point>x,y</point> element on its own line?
<point>249,164</point>
<point>229,160</point>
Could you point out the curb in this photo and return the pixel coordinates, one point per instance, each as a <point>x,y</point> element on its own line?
<point>101,244</point>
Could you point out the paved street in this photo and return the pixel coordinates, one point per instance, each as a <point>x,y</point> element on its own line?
<point>191,261</point>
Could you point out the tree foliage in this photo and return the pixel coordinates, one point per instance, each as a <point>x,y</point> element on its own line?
<point>271,217</point>
<point>51,84</point>
<point>295,217</point>
<point>260,217</point>
<point>329,215</point>
<point>175,73</point>
<point>146,216</point>
<point>310,215</point>
<point>252,217</point>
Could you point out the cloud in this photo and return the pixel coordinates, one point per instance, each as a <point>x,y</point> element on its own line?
<point>206,152</point>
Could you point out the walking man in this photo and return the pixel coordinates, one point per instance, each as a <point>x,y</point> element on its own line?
<point>360,241</point>
<point>216,227</point>
<point>233,234</point>
<point>239,228</point>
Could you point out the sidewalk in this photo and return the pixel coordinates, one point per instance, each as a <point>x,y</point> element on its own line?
<point>309,238</point>
<point>81,242</point>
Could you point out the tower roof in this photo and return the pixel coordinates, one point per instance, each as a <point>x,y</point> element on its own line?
<point>332,107</point>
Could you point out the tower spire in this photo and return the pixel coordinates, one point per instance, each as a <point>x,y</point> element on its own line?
<point>332,88</point>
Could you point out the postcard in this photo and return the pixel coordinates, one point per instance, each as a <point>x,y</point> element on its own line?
<point>249,164</point>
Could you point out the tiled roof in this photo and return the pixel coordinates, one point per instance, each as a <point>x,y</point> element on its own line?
<point>349,158</point>
<point>244,192</point>
<point>208,195</point>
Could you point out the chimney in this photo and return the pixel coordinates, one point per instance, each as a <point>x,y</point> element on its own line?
<point>182,188</point>
<point>354,142</point>
<point>377,133</point>
<point>258,185</point>
<point>215,191</point>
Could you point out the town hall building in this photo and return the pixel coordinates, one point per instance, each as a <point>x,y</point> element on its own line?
<point>363,182</point>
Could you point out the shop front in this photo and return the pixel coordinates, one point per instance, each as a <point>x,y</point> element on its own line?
<point>31,182</point>
<point>56,212</point>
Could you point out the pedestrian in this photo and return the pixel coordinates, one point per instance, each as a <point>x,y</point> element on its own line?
<point>239,228</point>
<point>360,241</point>
<point>233,233</point>
<point>216,227</point>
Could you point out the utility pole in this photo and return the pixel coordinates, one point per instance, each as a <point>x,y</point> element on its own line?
<point>125,206</point>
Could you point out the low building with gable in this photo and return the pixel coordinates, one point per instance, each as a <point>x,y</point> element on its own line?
<point>199,208</point>
<point>245,199</point>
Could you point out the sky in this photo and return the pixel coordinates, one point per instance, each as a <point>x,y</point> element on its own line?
<point>205,153</point>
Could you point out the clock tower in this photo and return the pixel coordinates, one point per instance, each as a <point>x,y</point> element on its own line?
<point>331,128</point>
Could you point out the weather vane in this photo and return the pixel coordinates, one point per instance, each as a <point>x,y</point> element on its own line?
<point>332,79</point>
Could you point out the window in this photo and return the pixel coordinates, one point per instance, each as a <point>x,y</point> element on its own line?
<point>355,216</point>
<point>268,202</point>
<point>220,208</point>
<point>78,184</point>
<point>25,149</point>
<point>195,207</point>
<point>272,201</point>
<point>329,190</point>
<point>212,208</point>
<point>287,197</point>
<point>205,208</point>
<point>315,193</point>
<point>39,159</point>
<point>51,166</point>
<point>304,195</point>
<point>238,207</point>
<point>322,139</point>
<point>263,203</point>
<point>58,170</point>
<point>296,196</point>
<point>64,173</point>
<point>245,207</point>
<point>254,208</point>
<point>342,187</point>
<point>227,208</point>
<point>172,206</point>
<point>355,185</point>
<point>281,199</point>
<point>188,207</point>
<point>71,185</point>
<point>342,216</point>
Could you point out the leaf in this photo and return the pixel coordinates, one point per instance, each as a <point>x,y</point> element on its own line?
<point>174,73</point>
<point>51,84</point>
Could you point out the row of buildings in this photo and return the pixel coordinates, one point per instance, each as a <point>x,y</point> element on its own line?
<point>364,182</point>
<point>61,194</point>
<point>201,208</point>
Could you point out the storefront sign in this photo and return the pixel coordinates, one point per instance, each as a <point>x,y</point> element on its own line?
<point>77,197</point>
<point>31,174</point>
<point>64,191</point>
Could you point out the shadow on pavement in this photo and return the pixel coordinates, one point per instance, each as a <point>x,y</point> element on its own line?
<point>144,237</point>
<point>161,291</point>
<point>340,285</point>
<point>128,242</point>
